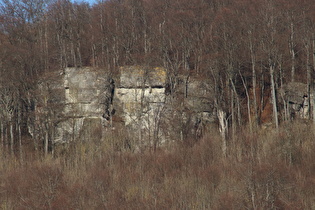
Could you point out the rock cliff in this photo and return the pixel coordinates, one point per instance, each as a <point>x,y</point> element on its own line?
<point>85,103</point>
<point>296,100</point>
<point>139,100</point>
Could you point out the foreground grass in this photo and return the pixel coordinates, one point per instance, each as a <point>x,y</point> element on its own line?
<point>265,170</point>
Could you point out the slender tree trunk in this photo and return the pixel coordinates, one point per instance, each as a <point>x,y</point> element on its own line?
<point>312,81</point>
<point>46,141</point>
<point>11,138</point>
<point>248,103</point>
<point>53,141</point>
<point>233,124</point>
<point>186,86</point>
<point>46,46</point>
<point>237,102</point>
<point>6,138</point>
<point>292,51</point>
<point>2,134</point>
<point>223,130</point>
<point>18,127</point>
<point>285,103</point>
<point>273,95</point>
<point>79,60</point>
<point>309,78</point>
<point>35,129</point>
<point>254,83</point>
<point>313,43</point>
<point>254,79</point>
<point>262,90</point>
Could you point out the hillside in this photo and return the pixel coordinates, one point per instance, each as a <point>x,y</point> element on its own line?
<point>150,104</point>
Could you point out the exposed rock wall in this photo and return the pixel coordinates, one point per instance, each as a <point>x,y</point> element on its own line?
<point>73,105</point>
<point>189,108</point>
<point>87,104</point>
<point>84,104</point>
<point>296,100</point>
<point>152,115</point>
<point>88,95</point>
<point>139,100</point>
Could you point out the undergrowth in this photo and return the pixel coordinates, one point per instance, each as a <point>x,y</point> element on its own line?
<point>263,170</point>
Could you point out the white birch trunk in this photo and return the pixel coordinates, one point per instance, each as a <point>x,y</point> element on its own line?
<point>46,142</point>
<point>223,129</point>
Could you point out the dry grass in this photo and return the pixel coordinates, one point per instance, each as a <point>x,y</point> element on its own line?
<point>266,170</point>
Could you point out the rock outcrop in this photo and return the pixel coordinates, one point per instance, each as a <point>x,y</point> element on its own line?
<point>73,105</point>
<point>85,104</point>
<point>191,106</point>
<point>152,115</point>
<point>139,100</point>
<point>88,97</point>
<point>296,101</point>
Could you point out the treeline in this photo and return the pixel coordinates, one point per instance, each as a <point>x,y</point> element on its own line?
<point>248,49</point>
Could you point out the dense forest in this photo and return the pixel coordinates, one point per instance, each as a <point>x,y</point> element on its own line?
<point>248,49</point>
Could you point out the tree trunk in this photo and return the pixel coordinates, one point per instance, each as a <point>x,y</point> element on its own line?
<point>11,138</point>
<point>286,116</point>
<point>248,103</point>
<point>20,140</point>
<point>233,124</point>
<point>6,138</point>
<point>238,103</point>
<point>46,142</point>
<point>254,79</point>
<point>309,80</point>
<point>273,95</point>
<point>223,130</point>
<point>312,82</point>
<point>2,134</point>
<point>292,51</point>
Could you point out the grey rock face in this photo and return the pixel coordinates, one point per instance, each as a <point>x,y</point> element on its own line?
<point>296,100</point>
<point>191,107</point>
<point>84,91</point>
<point>74,104</point>
<point>87,100</point>
<point>139,100</point>
<point>83,103</point>
<point>154,117</point>
<point>150,110</point>
<point>139,77</point>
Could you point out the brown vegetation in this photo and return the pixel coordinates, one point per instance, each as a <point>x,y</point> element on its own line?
<point>236,46</point>
<point>267,170</point>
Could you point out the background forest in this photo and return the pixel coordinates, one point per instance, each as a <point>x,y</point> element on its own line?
<point>248,49</point>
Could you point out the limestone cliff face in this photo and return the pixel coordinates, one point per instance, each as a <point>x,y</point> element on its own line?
<point>141,77</point>
<point>296,100</point>
<point>85,104</point>
<point>72,106</point>
<point>87,101</point>
<point>190,109</point>
<point>86,92</point>
<point>139,100</point>
<point>154,116</point>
